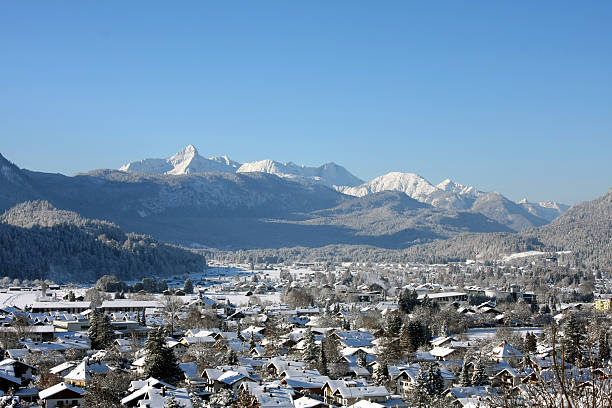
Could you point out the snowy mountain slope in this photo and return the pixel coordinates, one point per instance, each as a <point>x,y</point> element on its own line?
<point>451,195</point>
<point>411,184</point>
<point>499,208</point>
<point>414,186</point>
<point>329,174</point>
<point>249,210</point>
<point>549,210</point>
<point>15,185</point>
<point>451,186</point>
<point>186,161</point>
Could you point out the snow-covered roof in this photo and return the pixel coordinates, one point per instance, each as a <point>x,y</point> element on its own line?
<point>57,388</point>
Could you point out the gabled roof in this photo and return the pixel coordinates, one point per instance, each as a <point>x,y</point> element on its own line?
<point>504,350</point>
<point>57,388</point>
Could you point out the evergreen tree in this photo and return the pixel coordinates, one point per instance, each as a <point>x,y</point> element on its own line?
<point>464,378</point>
<point>572,340</point>
<point>408,299</point>
<point>406,342</point>
<point>418,334</point>
<point>394,324</point>
<point>422,387</point>
<point>479,377</point>
<point>603,347</point>
<point>188,286</point>
<point>310,348</point>
<point>160,361</point>
<point>106,334</point>
<point>230,357</point>
<point>381,373</point>
<point>346,325</point>
<point>435,382</point>
<point>322,362</point>
<point>93,331</point>
<point>530,342</point>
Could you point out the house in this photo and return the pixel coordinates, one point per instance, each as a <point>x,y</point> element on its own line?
<point>603,303</point>
<point>269,395</point>
<point>84,371</point>
<point>307,402</point>
<point>153,397</point>
<point>406,376</point>
<point>340,392</point>
<point>217,379</point>
<point>18,369</point>
<point>443,353</point>
<point>62,395</point>
<point>507,353</point>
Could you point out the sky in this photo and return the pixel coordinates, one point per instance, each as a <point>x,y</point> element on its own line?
<point>509,96</point>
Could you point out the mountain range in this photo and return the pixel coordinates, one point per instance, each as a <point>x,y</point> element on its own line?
<point>447,195</point>
<point>189,200</point>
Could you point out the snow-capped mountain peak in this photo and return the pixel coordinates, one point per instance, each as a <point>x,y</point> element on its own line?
<point>411,184</point>
<point>549,210</point>
<point>188,160</point>
<point>329,174</point>
<point>451,186</point>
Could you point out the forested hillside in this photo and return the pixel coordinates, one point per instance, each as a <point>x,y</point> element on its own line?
<point>585,230</point>
<point>39,241</point>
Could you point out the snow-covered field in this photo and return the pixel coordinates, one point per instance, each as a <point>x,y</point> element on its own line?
<point>529,254</point>
<point>483,333</point>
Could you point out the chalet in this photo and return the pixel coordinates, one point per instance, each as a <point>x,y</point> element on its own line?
<point>507,353</point>
<point>62,395</point>
<point>340,392</point>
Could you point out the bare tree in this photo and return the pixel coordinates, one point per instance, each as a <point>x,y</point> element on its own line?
<point>172,306</point>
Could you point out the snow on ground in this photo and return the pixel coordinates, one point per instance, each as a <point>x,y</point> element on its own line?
<point>527,254</point>
<point>483,333</point>
<point>21,299</point>
<point>240,298</point>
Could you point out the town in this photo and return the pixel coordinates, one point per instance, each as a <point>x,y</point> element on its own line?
<point>313,335</point>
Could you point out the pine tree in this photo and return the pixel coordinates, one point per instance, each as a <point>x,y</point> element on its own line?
<point>310,348</point>
<point>530,342</point>
<point>346,325</point>
<point>418,334</point>
<point>230,357</point>
<point>188,286</point>
<point>322,362</point>
<point>394,324</point>
<point>408,299</point>
<point>381,373</point>
<point>572,339</point>
<point>106,334</point>
<point>93,331</point>
<point>603,347</point>
<point>406,342</point>
<point>435,382</point>
<point>422,387</point>
<point>479,377</point>
<point>464,378</point>
<point>160,361</point>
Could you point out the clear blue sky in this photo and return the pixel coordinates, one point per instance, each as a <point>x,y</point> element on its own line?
<point>512,96</point>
